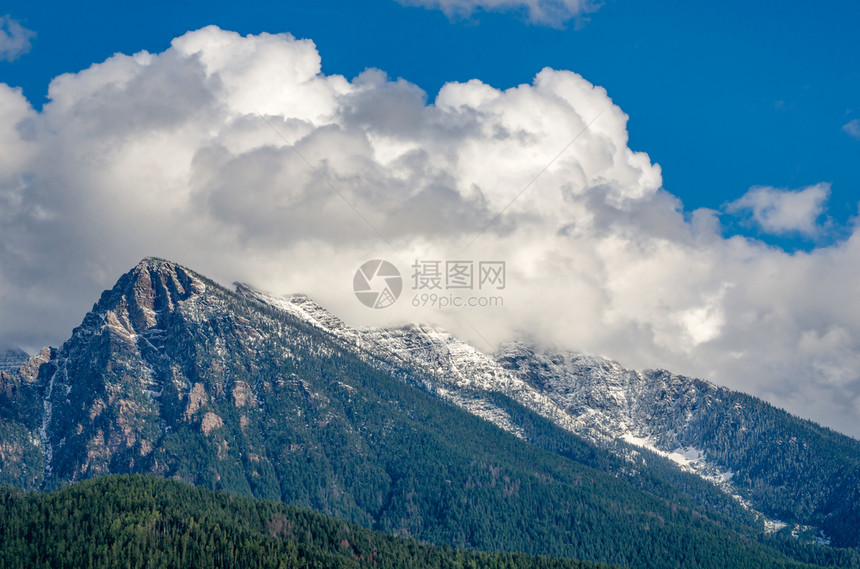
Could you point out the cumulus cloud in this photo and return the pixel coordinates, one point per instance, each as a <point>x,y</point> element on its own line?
<point>14,39</point>
<point>237,157</point>
<point>852,128</point>
<point>545,12</point>
<point>779,211</point>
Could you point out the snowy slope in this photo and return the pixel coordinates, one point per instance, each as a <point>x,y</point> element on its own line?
<point>703,429</point>
<point>590,396</point>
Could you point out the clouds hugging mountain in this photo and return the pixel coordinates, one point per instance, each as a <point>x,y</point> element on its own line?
<point>171,374</point>
<point>758,462</point>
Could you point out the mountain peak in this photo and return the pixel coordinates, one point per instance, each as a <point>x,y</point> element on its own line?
<point>156,264</point>
<point>153,286</point>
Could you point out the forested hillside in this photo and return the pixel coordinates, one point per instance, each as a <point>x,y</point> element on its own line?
<point>144,522</point>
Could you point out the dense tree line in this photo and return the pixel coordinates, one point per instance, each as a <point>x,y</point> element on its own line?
<point>141,522</point>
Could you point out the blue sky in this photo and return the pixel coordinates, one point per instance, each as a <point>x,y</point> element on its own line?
<point>724,96</point>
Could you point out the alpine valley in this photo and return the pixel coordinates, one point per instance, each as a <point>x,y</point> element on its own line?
<point>412,432</point>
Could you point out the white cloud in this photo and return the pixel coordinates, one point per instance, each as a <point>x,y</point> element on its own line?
<point>780,211</point>
<point>546,12</point>
<point>852,128</point>
<point>14,39</point>
<point>165,154</point>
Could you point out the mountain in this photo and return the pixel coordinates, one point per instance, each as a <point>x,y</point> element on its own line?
<point>171,374</point>
<point>11,360</point>
<point>22,458</point>
<point>788,473</point>
<point>792,470</point>
<point>146,522</point>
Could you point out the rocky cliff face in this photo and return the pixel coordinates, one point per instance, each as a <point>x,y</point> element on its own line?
<point>22,458</point>
<point>112,390</point>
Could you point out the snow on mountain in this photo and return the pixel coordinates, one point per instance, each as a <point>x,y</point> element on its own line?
<point>591,396</point>
<point>434,360</point>
<point>759,456</point>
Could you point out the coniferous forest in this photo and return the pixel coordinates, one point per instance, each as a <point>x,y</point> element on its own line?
<point>141,521</point>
